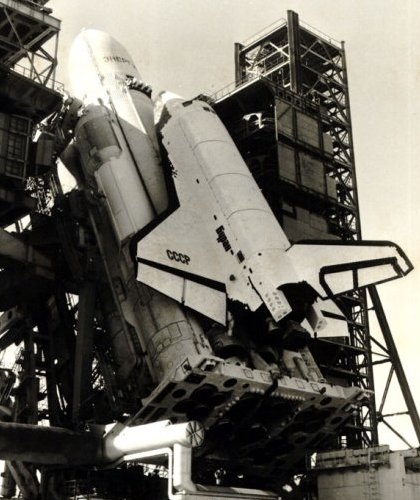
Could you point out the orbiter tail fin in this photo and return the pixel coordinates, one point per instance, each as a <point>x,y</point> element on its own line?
<point>334,267</point>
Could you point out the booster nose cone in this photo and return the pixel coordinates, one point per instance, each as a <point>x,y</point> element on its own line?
<point>96,56</point>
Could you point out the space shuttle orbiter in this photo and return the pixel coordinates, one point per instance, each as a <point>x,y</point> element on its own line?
<point>223,241</point>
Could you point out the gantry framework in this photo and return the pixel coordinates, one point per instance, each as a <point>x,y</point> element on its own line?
<point>310,65</point>
<point>305,72</point>
<point>28,93</point>
<point>29,39</point>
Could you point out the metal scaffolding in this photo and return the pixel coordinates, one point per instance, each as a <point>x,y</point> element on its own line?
<point>28,93</point>
<point>29,40</point>
<point>289,113</point>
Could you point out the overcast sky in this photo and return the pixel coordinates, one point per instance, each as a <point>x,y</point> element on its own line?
<point>187,46</point>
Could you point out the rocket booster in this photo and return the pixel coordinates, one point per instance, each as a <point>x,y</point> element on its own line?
<point>119,135</point>
<point>116,143</point>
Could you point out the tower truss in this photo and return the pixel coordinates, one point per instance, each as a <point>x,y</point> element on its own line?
<point>289,113</point>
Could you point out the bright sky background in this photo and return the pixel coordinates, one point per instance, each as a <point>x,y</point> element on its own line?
<point>186,46</point>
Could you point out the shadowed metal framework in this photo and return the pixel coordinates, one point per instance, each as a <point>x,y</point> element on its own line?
<point>289,113</point>
<point>29,39</point>
<point>28,59</point>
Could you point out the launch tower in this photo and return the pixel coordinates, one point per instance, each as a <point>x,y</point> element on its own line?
<point>289,114</point>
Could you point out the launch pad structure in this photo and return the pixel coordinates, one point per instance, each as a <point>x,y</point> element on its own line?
<point>289,115</point>
<point>289,112</point>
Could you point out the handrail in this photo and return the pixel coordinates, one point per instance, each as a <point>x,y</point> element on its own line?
<point>28,73</point>
<point>265,31</point>
<point>36,4</point>
<point>320,34</point>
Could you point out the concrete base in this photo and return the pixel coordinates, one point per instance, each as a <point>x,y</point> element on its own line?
<point>371,474</point>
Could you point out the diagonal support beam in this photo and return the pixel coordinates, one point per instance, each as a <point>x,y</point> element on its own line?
<point>396,361</point>
<point>385,394</point>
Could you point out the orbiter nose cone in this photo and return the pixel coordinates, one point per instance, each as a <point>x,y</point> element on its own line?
<point>167,96</point>
<point>165,101</point>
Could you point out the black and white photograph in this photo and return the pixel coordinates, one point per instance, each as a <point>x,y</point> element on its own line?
<point>209,250</point>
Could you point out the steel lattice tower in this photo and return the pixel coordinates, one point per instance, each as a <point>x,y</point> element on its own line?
<point>289,113</point>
